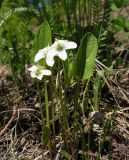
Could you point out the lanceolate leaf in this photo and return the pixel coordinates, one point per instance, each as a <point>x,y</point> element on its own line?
<point>69,67</point>
<point>91,52</point>
<point>86,56</point>
<point>43,37</point>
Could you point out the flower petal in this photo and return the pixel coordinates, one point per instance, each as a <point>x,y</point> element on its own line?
<point>33,68</point>
<point>62,55</point>
<point>52,53</point>
<point>40,76</point>
<point>50,62</point>
<point>46,72</point>
<point>41,54</point>
<point>67,44</point>
<point>33,75</point>
<point>70,45</point>
<point>54,44</point>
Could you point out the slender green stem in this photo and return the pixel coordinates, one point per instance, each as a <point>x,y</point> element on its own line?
<point>42,116</point>
<point>47,115</point>
<point>105,130</point>
<point>53,121</point>
<point>47,106</point>
<point>90,12</point>
<point>41,109</point>
<point>76,97</point>
<point>53,107</point>
<point>62,107</point>
<point>65,105</point>
<point>86,9</point>
<point>84,15</point>
<point>84,94</point>
<point>68,15</point>
<point>79,10</point>
<point>88,145</point>
<point>77,91</point>
<point>59,85</point>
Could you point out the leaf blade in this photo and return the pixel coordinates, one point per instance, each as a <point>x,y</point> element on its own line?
<point>86,56</point>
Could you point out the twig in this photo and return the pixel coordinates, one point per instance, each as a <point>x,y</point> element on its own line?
<point>9,122</point>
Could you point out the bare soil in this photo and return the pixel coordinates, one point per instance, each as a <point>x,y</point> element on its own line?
<point>20,124</point>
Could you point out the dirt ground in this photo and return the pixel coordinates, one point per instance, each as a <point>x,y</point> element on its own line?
<point>20,124</point>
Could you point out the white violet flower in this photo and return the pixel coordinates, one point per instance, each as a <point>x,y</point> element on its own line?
<point>38,72</point>
<point>59,49</point>
<point>43,54</point>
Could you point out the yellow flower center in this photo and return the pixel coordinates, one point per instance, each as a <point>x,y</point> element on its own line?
<point>59,47</point>
<point>37,72</point>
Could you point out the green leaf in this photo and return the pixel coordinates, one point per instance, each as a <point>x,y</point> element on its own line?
<point>71,69</point>
<point>65,67</point>
<point>114,7</point>
<point>117,28</point>
<point>81,57</point>
<point>120,20</point>
<point>65,154</point>
<point>126,27</point>
<point>118,4</point>
<point>43,38</point>
<point>119,23</point>
<point>86,56</point>
<point>91,52</point>
<point>45,135</point>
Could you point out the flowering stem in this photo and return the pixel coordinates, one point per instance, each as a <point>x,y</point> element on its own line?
<point>62,106</point>
<point>84,94</point>
<point>53,107</point>
<point>53,110</point>
<point>77,90</point>
<point>42,117</point>
<point>47,114</point>
<point>65,106</point>
<point>41,109</point>
<point>46,102</point>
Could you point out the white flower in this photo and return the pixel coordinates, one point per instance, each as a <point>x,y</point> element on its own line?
<point>43,54</point>
<point>38,72</point>
<point>59,49</point>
